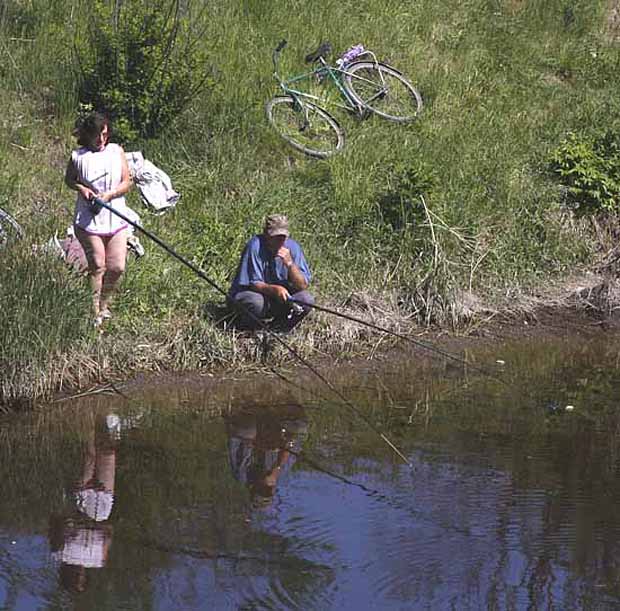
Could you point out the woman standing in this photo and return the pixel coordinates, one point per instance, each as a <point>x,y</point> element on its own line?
<point>99,169</point>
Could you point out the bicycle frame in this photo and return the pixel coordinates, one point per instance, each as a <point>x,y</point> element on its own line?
<point>323,71</point>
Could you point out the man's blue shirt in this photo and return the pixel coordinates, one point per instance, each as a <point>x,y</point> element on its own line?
<point>259,265</point>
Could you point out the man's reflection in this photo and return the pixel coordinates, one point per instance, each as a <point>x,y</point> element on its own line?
<point>80,538</point>
<point>262,445</point>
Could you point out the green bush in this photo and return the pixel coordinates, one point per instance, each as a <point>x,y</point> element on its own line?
<point>589,168</point>
<point>141,64</point>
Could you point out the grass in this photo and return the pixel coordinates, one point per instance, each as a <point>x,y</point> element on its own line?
<point>502,84</point>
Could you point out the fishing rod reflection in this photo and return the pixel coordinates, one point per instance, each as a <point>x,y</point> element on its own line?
<point>262,444</point>
<point>81,535</point>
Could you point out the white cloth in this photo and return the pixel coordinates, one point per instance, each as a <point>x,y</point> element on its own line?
<point>153,183</point>
<point>96,504</point>
<point>135,161</point>
<point>102,171</point>
<point>84,547</point>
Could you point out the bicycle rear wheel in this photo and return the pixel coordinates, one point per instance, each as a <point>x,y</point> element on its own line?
<point>10,229</point>
<point>383,90</point>
<point>305,126</point>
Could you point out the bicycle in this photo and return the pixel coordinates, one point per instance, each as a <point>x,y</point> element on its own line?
<point>10,229</point>
<point>365,85</point>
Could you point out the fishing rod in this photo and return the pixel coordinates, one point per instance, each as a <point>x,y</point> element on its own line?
<point>415,342</point>
<point>199,272</point>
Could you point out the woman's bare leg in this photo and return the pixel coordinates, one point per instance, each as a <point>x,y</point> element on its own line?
<point>115,258</point>
<point>95,251</point>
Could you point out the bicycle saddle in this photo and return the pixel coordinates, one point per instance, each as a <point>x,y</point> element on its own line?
<point>325,48</point>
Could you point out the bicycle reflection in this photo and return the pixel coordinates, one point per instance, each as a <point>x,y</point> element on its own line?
<point>261,447</point>
<point>81,536</point>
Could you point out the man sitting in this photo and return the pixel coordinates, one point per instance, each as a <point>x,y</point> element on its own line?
<point>271,279</point>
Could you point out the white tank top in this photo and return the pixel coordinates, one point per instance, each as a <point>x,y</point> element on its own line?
<point>102,171</point>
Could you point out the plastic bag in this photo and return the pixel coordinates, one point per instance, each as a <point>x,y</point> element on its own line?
<point>350,54</point>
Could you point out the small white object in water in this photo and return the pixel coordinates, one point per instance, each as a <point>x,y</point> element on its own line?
<point>500,362</point>
<point>570,408</point>
<point>113,422</point>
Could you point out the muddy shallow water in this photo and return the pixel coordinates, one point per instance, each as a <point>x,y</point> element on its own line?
<point>261,495</point>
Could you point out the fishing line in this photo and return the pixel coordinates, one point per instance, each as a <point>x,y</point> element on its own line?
<point>199,272</point>
<point>552,406</point>
<point>373,493</point>
<point>234,558</point>
<point>409,339</point>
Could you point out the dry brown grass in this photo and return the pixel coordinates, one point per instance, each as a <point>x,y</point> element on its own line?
<point>613,21</point>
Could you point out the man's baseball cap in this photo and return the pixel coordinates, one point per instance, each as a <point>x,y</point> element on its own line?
<point>276,224</point>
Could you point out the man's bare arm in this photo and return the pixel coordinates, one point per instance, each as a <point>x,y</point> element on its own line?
<point>275,291</point>
<point>296,277</point>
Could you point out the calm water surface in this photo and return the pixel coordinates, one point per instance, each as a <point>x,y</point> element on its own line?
<point>263,496</point>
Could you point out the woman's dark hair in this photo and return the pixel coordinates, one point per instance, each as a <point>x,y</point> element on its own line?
<point>89,127</point>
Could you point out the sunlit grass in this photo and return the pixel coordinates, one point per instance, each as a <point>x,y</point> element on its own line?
<point>502,83</point>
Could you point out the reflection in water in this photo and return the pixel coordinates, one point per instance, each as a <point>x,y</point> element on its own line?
<point>80,537</point>
<point>259,448</point>
<point>509,506</point>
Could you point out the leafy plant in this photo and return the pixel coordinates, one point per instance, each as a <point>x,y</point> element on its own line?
<point>141,63</point>
<point>589,168</point>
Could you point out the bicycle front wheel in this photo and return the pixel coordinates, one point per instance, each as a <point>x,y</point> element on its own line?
<point>305,126</point>
<point>9,228</point>
<point>383,90</point>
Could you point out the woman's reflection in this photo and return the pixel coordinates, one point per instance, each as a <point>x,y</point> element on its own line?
<point>262,445</point>
<point>80,537</point>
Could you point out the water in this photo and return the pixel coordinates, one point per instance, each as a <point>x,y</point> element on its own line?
<point>256,495</point>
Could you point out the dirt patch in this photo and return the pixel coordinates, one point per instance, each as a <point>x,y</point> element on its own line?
<point>613,20</point>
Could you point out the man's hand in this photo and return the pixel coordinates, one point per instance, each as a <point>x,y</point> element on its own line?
<point>285,254</point>
<point>279,292</point>
<point>296,279</point>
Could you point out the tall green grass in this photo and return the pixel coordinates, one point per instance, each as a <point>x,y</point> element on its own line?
<point>502,82</point>
<point>41,323</point>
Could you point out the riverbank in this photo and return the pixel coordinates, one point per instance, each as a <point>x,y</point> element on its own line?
<point>584,307</point>
<point>206,346</point>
